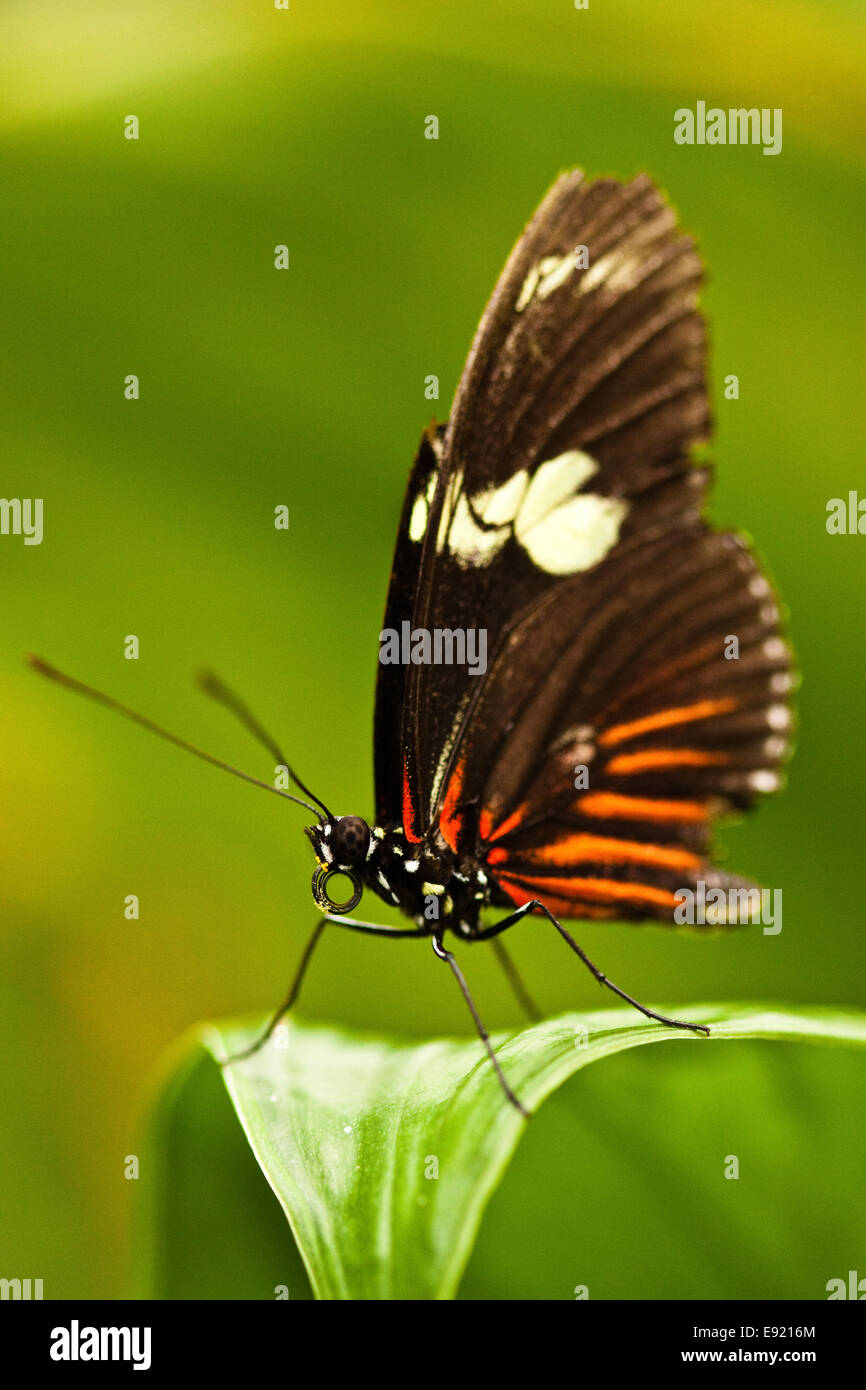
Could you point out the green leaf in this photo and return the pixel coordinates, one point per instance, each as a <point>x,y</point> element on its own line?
<point>384,1154</point>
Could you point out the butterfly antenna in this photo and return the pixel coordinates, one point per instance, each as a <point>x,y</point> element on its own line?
<point>71,683</point>
<point>213,686</point>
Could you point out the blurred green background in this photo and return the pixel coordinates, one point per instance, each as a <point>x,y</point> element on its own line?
<point>306,388</point>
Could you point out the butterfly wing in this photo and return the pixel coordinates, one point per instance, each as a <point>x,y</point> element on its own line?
<point>565,522</point>
<point>391,680</point>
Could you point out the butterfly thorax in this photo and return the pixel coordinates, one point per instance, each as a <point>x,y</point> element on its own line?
<point>435,887</point>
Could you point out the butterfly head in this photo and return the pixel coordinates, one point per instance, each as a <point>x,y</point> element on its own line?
<point>340,845</point>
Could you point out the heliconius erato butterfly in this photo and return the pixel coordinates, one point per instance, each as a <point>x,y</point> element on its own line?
<point>559,512</point>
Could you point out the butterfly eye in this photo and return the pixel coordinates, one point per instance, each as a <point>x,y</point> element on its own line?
<point>349,840</point>
<point>320,890</point>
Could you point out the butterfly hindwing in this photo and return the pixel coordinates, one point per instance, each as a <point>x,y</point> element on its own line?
<point>614,787</point>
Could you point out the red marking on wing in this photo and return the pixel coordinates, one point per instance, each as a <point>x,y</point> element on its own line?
<point>451,821</point>
<point>409,815</point>
<point>486,823</point>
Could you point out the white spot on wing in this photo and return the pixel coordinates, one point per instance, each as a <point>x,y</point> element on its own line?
<point>555,270</point>
<point>618,269</point>
<point>778,716</point>
<point>528,290</point>
<point>763,781</point>
<point>471,543</point>
<point>455,486</point>
<point>544,277</point>
<point>575,536</point>
<point>561,529</point>
<point>497,505</point>
<point>421,510</point>
<point>563,533</point>
<point>418,519</point>
<point>554,483</point>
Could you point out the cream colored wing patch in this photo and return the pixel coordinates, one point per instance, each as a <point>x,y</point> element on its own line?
<point>562,528</point>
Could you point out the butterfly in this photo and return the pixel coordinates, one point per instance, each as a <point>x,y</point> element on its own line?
<point>634,683</point>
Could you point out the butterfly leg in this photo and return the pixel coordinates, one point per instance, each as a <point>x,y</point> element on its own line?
<point>291,998</point>
<point>489,932</point>
<point>482,1031</point>
<point>521,993</point>
<point>287,1003</point>
<point>373,928</point>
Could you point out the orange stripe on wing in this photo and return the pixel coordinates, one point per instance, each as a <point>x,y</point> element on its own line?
<point>560,907</point>
<point>450,822</point>
<point>596,889</point>
<point>624,764</point>
<point>486,823</point>
<point>664,719</point>
<point>600,849</point>
<point>612,806</point>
